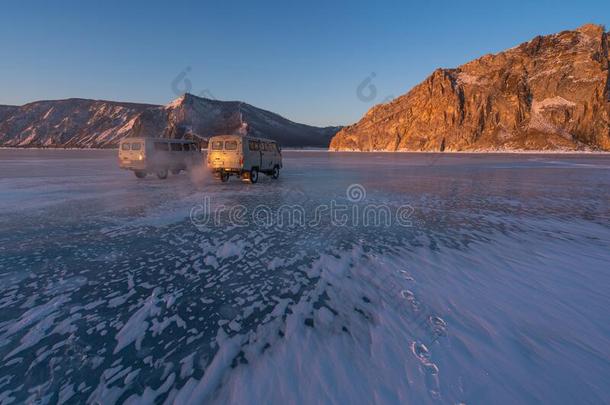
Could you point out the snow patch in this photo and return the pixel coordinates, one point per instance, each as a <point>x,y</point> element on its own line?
<point>176,103</point>
<point>135,328</point>
<point>465,78</point>
<point>551,103</point>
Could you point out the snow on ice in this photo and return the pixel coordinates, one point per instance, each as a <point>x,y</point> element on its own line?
<point>496,293</point>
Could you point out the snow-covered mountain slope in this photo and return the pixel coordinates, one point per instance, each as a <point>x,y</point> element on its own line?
<point>84,123</point>
<point>68,123</point>
<point>200,117</point>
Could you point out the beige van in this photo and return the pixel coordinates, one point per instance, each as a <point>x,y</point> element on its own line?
<point>244,156</point>
<point>159,156</point>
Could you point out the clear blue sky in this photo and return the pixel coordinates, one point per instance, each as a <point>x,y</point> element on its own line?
<point>302,59</point>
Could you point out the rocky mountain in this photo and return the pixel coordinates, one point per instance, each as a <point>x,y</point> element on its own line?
<point>551,93</point>
<point>68,123</point>
<point>200,117</point>
<point>84,123</point>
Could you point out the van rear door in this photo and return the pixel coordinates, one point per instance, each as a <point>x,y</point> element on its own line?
<point>130,151</point>
<point>232,154</point>
<point>215,157</point>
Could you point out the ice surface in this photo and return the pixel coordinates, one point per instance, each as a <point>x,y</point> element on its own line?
<point>497,293</point>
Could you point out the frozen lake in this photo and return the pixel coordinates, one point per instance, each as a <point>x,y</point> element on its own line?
<point>412,278</point>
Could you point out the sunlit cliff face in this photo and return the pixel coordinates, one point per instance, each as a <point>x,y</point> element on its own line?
<point>546,94</point>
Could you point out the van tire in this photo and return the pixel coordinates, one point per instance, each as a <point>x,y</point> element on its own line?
<point>139,174</point>
<point>176,171</point>
<point>224,177</point>
<point>275,173</point>
<point>162,174</point>
<point>253,175</point>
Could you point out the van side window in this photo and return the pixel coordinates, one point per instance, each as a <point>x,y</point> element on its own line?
<point>231,145</point>
<point>176,147</point>
<point>162,146</point>
<point>187,147</point>
<point>263,146</point>
<point>253,145</point>
<point>136,146</point>
<point>125,146</point>
<point>217,145</point>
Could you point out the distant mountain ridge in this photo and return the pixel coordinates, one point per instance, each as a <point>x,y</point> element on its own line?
<point>83,123</point>
<point>195,116</point>
<point>551,93</point>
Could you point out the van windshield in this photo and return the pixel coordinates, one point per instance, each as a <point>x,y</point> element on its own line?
<point>136,146</point>
<point>125,146</point>
<point>217,145</point>
<point>231,145</point>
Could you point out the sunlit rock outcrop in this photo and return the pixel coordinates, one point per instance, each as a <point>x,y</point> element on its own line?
<point>551,93</point>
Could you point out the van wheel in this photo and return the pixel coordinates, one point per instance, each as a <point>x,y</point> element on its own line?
<point>139,174</point>
<point>253,175</point>
<point>224,177</point>
<point>162,174</point>
<point>275,173</point>
<point>177,171</point>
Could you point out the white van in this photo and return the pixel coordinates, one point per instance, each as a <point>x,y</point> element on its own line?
<point>244,156</point>
<point>158,156</point>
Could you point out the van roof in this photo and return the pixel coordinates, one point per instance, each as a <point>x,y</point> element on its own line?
<point>144,138</point>
<point>242,137</point>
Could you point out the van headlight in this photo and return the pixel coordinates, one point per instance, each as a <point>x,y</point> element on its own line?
<point>140,157</point>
